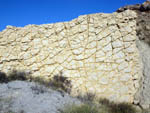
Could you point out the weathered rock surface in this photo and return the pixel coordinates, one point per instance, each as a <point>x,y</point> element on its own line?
<point>143,44</point>
<point>106,54</point>
<point>138,7</point>
<point>96,52</point>
<point>29,97</point>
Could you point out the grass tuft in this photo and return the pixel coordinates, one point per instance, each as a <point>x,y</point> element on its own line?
<point>85,108</point>
<point>17,75</point>
<point>3,77</point>
<point>104,106</point>
<point>13,75</point>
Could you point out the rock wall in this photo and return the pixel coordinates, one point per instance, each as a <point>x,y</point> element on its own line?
<point>96,52</point>
<point>143,44</point>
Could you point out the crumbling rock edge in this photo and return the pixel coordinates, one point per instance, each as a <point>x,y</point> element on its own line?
<point>137,7</point>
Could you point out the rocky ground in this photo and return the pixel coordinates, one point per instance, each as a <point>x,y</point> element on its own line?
<point>30,97</point>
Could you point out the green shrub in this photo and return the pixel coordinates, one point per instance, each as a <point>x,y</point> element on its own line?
<point>122,108</point>
<point>85,108</point>
<point>87,98</point>
<point>13,75</point>
<point>104,106</point>
<point>3,77</point>
<point>146,111</point>
<point>57,82</point>
<point>118,107</point>
<point>38,89</point>
<point>18,75</point>
<point>60,82</point>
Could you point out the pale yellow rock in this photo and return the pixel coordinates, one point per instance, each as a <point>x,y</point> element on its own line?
<point>35,51</point>
<point>25,39</point>
<point>123,65</point>
<point>119,55</point>
<point>100,54</point>
<point>125,98</point>
<point>25,47</point>
<point>103,80</point>
<point>126,77</point>
<point>129,37</point>
<point>117,43</point>
<point>34,67</point>
<point>96,52</point>
<point>107,48</point>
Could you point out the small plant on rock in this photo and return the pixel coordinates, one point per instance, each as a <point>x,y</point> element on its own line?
<point>61,82</point>
<point>57,82</point>
<point>87,98</point>
<point>85,108</point>
<point>17,75</point>
<point>117,107</point>
<point>3,77</point>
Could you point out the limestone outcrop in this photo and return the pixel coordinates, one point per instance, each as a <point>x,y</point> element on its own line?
<point>99,53</point>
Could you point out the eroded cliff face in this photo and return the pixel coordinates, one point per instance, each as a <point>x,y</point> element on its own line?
<point>143,44</point>
<point>97,52</point>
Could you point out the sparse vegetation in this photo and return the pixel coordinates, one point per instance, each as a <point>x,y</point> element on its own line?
<point>85,108</point>
<point>118,107</point>
<point>61,83</point>
<point>18,75</point>
<point>37,89</point>
<point>3,77</point>
<point>104,106</point>
<point>146,111</point>
<point>13,75</point>
<point>87,98</point>
<point>57,82</point>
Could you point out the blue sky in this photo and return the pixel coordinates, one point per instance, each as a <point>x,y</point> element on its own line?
<point>24,12</point>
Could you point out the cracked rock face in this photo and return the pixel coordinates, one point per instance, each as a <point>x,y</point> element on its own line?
<point>29,97</point>
<point>96,52</point>
<point>106,54</point>
<point>142,96</point>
